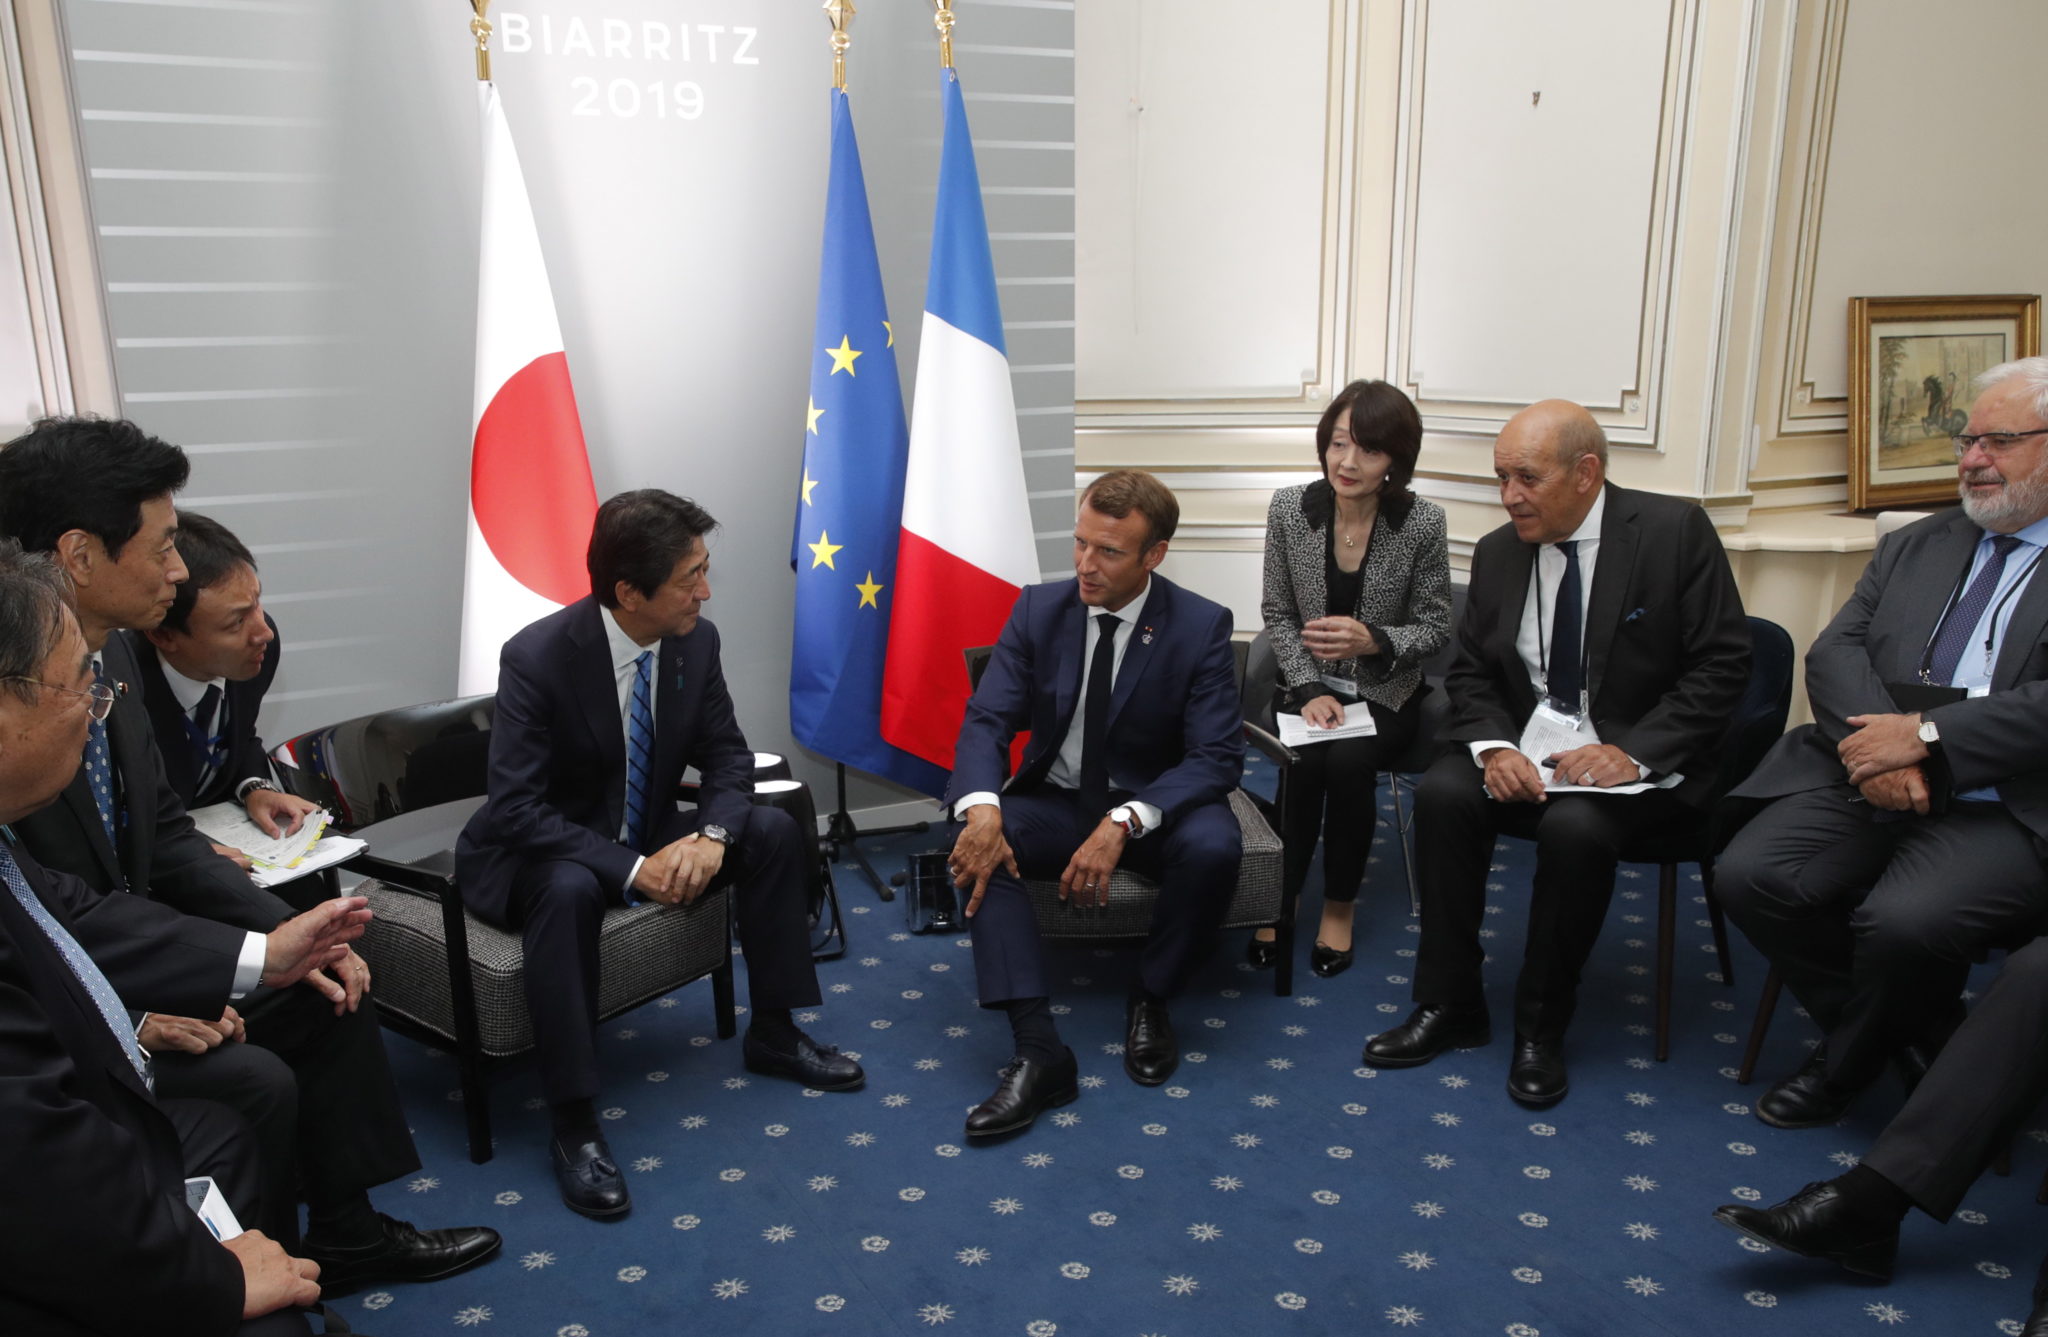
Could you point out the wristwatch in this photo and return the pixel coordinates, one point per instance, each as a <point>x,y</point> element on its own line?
<point>713,831</point>
<point>250,786</point>
<point>1930,735</point>
<point>1127,817</point>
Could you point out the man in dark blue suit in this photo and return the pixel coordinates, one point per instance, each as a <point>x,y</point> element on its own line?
<point>600,708</point>
<point>1127,686</point>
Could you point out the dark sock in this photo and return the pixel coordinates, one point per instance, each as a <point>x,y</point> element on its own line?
<point>1141,994</point>
<point>348,1224</point>
<point>1869,1193</point>
<point>575,1122</point>
<point>775,1028</point>
<point>1031,1023</point>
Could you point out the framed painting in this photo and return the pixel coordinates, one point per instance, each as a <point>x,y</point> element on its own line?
<point>1913,363</point>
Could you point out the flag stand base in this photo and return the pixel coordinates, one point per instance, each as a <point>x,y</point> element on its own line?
<point>843,835</point>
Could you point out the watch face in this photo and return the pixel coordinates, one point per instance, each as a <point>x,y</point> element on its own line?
<point>718,833</point>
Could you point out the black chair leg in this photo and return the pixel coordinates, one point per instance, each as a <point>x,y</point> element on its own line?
<point>829,945</point>
<point>1667,911</point>
<point>1765,1006</point>
<point>1283,940</point>
<point>1718,921</point>
<point>476,1104</point>
<point>722,1001</point>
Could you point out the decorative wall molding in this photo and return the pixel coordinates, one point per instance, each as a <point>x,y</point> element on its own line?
<point>1801,410</point>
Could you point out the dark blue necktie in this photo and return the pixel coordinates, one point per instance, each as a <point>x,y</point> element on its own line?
<point>1961,623</point>
<point>639,750</point>
<point>1567,680</point>
<point>96,983</point>
<point>212,743</point>
<point>99,768</point>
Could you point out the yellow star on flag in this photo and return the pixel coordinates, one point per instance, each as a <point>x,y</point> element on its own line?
<point>892,333</point>
<point>842,356</point>
<point>868,592</point>
<point>808,483</point>
<point>822,550</point>
<point>813,414</point>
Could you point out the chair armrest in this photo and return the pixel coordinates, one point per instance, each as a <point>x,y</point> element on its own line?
<point>421,879</point>
<point>1274,750</point>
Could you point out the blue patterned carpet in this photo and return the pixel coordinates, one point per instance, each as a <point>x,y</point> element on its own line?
<point>1273,1187</point>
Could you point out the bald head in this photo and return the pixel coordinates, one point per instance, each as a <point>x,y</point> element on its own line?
<point>1551,459</point>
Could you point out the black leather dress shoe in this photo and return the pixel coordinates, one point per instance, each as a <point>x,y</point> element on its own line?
<point>1806,1099</point>
<point>812,1064</point>
<point>402,1254</point>
<point>590,1180</point>
<point>1329,962</point>
<point>1262,953</point>
<point>1429,1031</point>
<point>1537,1077</point>
<point>1816,1222</point>
<point>1150,1051</point>
<point>1027,1087</point>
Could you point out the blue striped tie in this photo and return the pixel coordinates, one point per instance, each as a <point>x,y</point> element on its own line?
<point>81,965</point>
<point>639,750</point>
<point>99,769</point>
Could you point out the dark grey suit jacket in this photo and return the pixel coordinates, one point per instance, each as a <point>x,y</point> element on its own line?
<point>1879,637</point>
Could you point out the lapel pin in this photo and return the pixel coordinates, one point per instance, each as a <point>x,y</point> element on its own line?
<point>1147,637</point>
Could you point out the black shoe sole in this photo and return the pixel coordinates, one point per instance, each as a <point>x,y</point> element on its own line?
<point>1539,1102</point>
<point>600,1214</point>
<point>1480,1041</point>
<point>765,1070</point>
<point>1066,1097</point>
<point>1329,970</point>
<point>344,1284</point>
<point>1880,1272</point>
<point>1797,1125</point>
<point>1161,1080</point>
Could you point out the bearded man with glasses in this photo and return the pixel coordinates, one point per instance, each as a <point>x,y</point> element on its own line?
<point>1908,826</point>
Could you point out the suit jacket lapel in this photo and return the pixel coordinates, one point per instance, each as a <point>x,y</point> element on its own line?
<point>1152,624</point>
<point>597,692</point>
<point>1946,559</point>
<point>2023,630</point>
<point>1519,565</point>
<point>670,711</point>
<point>1612,573</point>
<point>1069,646</point>
<point>78,800</point>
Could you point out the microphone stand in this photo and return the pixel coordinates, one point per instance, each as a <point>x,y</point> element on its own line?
<point>843,836</point>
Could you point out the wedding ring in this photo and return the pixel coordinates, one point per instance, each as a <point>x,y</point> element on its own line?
<point>1586,779</point>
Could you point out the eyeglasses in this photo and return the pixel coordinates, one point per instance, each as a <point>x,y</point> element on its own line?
<point>1994,443</point>
<point>99,696</point>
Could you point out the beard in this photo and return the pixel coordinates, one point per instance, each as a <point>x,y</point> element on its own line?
<point>2022,500</point>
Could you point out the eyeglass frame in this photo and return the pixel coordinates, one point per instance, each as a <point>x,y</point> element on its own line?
<point>100,696</point>
<point>1965,442</point>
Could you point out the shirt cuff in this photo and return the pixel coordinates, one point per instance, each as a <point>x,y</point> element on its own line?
<point>633,897</point>
<point>1148,816</point>
<point>1480,749</point>
<point>975,800</point>
<point>249,966</point>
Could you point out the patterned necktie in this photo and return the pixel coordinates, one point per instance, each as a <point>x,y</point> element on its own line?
<point>99,768</point>
<point>212,743</point>
<point>639,750</point>
<point>1961,623</point>
<point>1567,677</point>
<point>1095,718</point>
<point>96,984</point>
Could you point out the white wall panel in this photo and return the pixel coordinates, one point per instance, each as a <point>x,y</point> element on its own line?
<point>1201,131</point>
<point>1535,198</point>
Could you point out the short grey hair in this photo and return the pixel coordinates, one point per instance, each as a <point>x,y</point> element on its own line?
<point>1578,438</point>
<point>2030,372</point>
<point>35,604</point>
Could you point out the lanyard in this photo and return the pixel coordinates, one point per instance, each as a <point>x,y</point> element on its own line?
<point>1955,597</point>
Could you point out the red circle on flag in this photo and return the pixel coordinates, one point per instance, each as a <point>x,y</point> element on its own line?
<point>529,481</point>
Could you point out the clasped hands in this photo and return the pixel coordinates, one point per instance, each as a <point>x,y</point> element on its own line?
<point>677,873</point>
<point>1883,759</point>
<point>303,949</point>
<point>1513,778</point>
<point>981,849</point>
<point>1337,638</point>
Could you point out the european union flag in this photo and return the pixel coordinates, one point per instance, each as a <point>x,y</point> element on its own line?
<point>850,496</point>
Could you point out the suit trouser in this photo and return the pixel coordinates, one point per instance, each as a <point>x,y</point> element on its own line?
<point>216,1143</point>
<point>317,1090</point>
<point>1989,1077</point>
<point>1194,859</point>
<point>1331,790</point>
<point>1873,921</point>
<point>558,906</point>
<point>1578,838</point>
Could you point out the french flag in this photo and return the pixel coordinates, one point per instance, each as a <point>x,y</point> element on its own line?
<point>531,500</point>
<point>966,549</point>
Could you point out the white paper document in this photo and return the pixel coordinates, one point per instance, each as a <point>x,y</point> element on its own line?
<point>1551,732</point>
<point>330,851</point>
<point>203,1196</point>
<point>1297,732</point>
<point>227,824</point>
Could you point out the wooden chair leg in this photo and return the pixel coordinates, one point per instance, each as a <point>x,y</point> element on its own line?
<point>1718,921</point>
<point>1667,911</point>
<point>1765,1006</point>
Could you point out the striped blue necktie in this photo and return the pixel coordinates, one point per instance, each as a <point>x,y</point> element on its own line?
<point>81,965</point>
<point>639,750</point>
<point>99,768</point>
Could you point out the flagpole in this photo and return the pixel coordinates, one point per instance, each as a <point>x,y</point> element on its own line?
<point>842,833</point>
<point>480,27</point>
<point>942,19</point>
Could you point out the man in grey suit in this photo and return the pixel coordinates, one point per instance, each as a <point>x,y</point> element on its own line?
<point>1909,823</point>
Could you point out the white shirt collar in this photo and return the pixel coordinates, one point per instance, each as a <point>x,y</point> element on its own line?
<point>188,691</point>
<point>1589,528</point>
<point>1128,614</point>
<point>624,648</point>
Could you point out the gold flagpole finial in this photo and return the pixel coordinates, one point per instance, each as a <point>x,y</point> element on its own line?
<point>942,19</point>
<point>481,28</point>
<point>841,13</point>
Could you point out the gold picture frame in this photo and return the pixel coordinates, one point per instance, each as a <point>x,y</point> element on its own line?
<point>1912,361</point>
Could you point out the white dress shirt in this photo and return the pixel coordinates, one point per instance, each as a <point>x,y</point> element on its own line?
<point>1066,764</point>
<point>1973,670</point>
